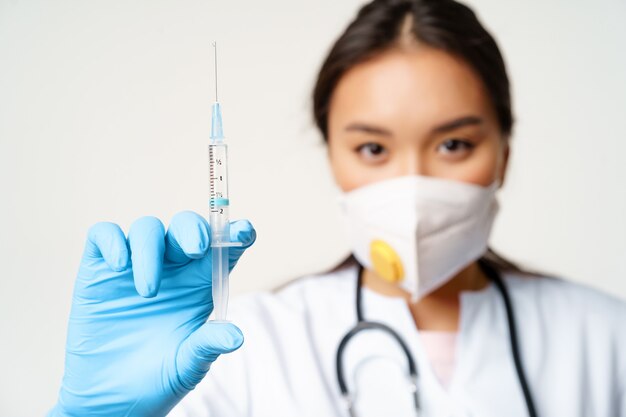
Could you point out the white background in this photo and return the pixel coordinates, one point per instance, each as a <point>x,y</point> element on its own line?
<point>104,115</point>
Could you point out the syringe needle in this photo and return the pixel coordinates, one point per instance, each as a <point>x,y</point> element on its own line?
<point>215,56</point>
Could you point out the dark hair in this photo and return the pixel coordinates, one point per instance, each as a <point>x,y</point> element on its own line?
<point>442,24</point>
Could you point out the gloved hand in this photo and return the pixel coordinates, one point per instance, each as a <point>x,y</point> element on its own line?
<point>138,340</point>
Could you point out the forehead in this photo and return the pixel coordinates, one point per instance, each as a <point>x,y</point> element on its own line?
<point>421,84</point>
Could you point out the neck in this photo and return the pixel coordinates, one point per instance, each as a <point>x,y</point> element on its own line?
<point>439,310</point>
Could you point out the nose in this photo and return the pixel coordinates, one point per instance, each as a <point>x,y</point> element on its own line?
<point>411,163</point>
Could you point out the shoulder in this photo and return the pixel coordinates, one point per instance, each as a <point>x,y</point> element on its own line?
<point>317,287</point>
<point>557,299</point>
<point>568,325</point>
<point>297,298</point>
<point>563,291</point>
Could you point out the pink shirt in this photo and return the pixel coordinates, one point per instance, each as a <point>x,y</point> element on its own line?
<point>440,347</point>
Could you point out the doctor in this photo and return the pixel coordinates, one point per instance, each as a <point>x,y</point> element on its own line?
<point>413,101</point>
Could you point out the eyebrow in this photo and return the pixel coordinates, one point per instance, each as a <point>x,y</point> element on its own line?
<point>442,128</point>
<point>457,123</point>
<point>365,128</point>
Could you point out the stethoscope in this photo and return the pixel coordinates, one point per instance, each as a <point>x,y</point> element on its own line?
<point>362,325</point>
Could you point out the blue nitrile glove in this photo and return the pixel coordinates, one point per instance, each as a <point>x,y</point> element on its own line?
<point>138,340</point>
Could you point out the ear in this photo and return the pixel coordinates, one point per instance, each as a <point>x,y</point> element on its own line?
<point>504,163</point>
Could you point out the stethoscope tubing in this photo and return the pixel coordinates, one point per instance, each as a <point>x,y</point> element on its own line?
<point>362,325</point>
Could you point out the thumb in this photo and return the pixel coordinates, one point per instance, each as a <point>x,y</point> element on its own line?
<point>202,347</point>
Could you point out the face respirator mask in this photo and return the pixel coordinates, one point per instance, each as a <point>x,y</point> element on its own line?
<point>419,231</point>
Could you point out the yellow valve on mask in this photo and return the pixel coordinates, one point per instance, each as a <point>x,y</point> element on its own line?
<point>386,262</point>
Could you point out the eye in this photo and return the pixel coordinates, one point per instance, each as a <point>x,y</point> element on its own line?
<point>372,151</point>
<point>455,147</point>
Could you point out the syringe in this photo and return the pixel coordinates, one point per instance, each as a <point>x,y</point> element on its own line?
<point>219,204</point>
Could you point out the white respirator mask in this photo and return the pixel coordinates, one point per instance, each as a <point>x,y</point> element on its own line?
<point>419,231</point>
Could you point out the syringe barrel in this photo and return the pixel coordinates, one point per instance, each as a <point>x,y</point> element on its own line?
<point>220,226</point>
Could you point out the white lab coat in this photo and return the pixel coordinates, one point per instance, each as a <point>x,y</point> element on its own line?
<point>572,339</point>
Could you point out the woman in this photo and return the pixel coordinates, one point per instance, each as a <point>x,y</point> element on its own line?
<point>413,101</point>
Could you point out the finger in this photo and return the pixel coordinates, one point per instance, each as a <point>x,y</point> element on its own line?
<point>202,348</point>
<point>146,238</point>
<point>240,231</point>
<point>188,237</point>
<point>107,241</point>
